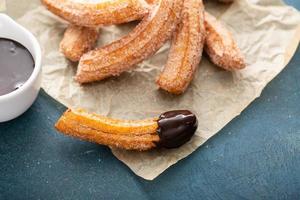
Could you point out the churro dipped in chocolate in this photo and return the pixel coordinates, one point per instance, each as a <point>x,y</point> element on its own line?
<point>170,130</point>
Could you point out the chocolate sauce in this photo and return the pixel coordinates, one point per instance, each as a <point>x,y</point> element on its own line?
<point>176,128</point>
<point>16,65</point>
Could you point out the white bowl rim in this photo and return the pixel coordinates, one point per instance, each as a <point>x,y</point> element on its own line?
<point>37,60</point>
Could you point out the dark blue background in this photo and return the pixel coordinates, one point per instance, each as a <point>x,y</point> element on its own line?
<point>256,156</point>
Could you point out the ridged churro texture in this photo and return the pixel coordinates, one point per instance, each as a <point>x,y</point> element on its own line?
<point>220,45</point>
<point>101,13</point>
<point>186,49</point>
<point>142,42</point>
<point>78,40</point>
<point>126,134</point>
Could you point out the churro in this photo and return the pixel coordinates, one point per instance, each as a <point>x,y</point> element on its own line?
<point>186,49</point>
<point>78,40</point>
<point>172,129</point>
<point>220,45</point>
<point>142,42</point>
<point>101,13</point>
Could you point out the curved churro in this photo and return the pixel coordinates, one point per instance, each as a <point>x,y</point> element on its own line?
<point>172,129</point>
<point>186,49</point>
<point>220,45</point>
<point>78,40</point>
<point>101,13</point>
<point>142,42</point>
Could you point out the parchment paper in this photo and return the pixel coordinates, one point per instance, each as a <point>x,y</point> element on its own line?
<point>267,32</point>
<point>2,5</point>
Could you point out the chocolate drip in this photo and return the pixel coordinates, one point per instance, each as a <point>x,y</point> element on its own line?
<point>176,128</point>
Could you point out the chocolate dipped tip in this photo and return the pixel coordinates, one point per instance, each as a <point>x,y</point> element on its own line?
<point>176,127</point>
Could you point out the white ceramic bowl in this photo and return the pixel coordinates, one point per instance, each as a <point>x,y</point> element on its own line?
<point>17,102</point>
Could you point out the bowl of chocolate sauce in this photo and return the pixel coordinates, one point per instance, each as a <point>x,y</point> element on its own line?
<point>20,68</point>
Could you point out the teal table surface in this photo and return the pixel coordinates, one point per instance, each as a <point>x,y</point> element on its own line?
<point>256,156</point>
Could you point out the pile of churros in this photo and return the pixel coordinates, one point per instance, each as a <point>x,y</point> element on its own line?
<point>190,29</point>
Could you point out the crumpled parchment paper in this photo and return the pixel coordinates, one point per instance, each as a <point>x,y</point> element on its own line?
<point>267,31</point>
